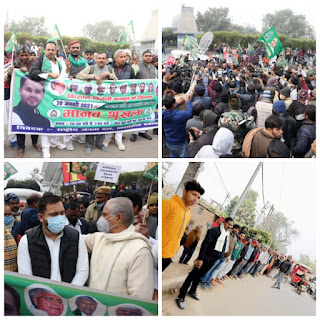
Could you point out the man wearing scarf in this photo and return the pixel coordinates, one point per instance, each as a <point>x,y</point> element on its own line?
<point>213,247</point>
<point>49,67</point>
<point>75,63</point>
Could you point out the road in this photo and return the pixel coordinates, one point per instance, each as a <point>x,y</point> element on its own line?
<point>142,148</point>
<point>243,297</point>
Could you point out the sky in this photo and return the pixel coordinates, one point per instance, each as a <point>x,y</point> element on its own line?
<point>72,16</point>
<point>242,12</point>
<point>286,185</point>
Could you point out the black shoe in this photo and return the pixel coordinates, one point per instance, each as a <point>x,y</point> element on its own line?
<point>193,296</point>
<point>180,303</point>
<point>133,137</point>
<point>145,135</point>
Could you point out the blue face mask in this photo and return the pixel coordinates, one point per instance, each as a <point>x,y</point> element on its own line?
<point>8,220</point>
<point>56,224</point>
<point>90,61</point>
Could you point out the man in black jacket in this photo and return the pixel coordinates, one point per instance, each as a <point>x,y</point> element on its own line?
<point>213,247</point>
<point>284,269</point>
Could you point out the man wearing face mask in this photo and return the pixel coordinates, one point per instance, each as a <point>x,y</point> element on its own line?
<point>74,221</point>
<point>53,250</point>
<point>121,260</point>
<point>9,223</point>
<point>13,201</point>
<point>102,195</point>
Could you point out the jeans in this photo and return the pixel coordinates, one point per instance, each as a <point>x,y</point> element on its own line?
<point>178,151</point>
<point>216,266</point>
<point>90,140</point>
<point>279,280</point>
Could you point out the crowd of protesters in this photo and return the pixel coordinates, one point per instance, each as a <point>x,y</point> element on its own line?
<point>252,107</point>
<point>104,238</point>
<point>227,251</point>
<point>75,62</point>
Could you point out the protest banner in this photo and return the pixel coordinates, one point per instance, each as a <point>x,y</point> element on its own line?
<point>63,296</point>
<point>9,170</point>
<point>107,173</point>
<point>171,61</point>
<point>81,107</point>
<point>71,178</point>
<point>272,42</point>
<point>282,62</point>
<point>6,67</point>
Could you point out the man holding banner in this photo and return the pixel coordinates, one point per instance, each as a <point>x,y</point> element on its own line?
<point>46,67</point>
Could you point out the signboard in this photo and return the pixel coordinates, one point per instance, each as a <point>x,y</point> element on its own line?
<point>71,178</point>
<point>59,107</point>
<point>107,172</point>
<point>64,299</point>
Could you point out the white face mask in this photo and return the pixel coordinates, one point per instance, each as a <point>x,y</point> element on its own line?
<point>103,224</point>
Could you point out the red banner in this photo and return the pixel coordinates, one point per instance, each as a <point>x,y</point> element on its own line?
<point>210,55</point>
<point>70,178</point>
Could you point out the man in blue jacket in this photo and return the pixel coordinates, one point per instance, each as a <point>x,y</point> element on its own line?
<point>174,125</point>
<point>29,216</point>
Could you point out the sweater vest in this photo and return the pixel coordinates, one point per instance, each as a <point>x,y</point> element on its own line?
<point>145,72</point>
<point>29,118</point>
<point>40,254</point>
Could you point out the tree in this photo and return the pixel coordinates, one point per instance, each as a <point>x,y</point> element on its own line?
<point>281,229</point>
<point>305,259</point>
<point>246,212</point>
<point>103,31</point>
<point>34,25</point>
<point>24,184</point>
<point>243,29</point>
<point>288,23</point>
<point>168,36</point>
<point>214,19</point>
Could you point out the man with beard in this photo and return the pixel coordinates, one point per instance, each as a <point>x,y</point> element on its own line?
<point>53,250</point>
<point>98,72</point>
<point>75,63</point>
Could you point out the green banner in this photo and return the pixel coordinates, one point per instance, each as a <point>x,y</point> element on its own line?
<point>272,42</point>
<point>9,170</point>
<point>192,45</point>
<point>59,107</point>
<point>152,173</point>
<point>43,297</point>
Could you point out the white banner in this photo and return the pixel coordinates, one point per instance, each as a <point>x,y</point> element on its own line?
<point>107,173</point>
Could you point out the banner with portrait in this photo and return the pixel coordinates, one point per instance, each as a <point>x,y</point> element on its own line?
<point>74,173</point>
<point>59,107</point>
<point>28,295</point>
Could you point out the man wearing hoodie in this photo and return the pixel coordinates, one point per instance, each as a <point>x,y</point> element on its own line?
<point>175,218</point>
<point>174,125</point>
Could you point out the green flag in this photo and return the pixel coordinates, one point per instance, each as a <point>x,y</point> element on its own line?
<point>123,38</point>
<point>281,62</point>
<point>235,61</point>
<point>192,45</point>
<point>250,48</point>
<point>239,50</point>
<point>272,42</point>
<point>152,173</point>
<point>54,37</point>
<point>12,43</point>
<point>9,170</point>
<point>221,57</point>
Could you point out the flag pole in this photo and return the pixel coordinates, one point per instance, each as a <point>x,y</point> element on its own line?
<point>145,212</point>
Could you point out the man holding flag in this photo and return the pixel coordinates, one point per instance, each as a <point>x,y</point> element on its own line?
<point>272,42</point>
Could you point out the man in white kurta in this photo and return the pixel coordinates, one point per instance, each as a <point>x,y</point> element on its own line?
<point>121,260</point>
